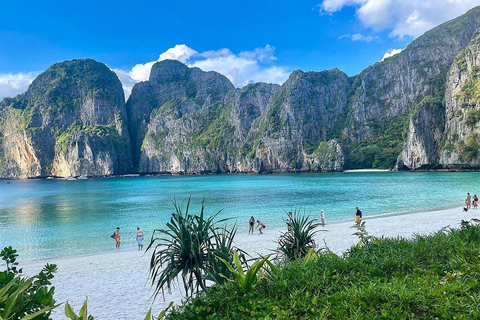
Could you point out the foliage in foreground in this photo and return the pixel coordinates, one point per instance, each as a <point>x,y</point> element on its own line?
<point>428,277</point>
<point>299,239</point>
<point>191,246</point>
<point>82,314</point>
<point>21,297</point>
<point>247,281</point>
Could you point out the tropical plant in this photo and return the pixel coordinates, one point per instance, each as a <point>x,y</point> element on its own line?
<point>427,277</point>
<point>24,297</point>
<point>222,249</point>
<point>162,314</point>
<point>299,239</point>
<point>190,247</point>
<point>247,281</point>
<point>13,296</point>
<point>82,314</point>
<point>362,233</point>
<point>9,255</point>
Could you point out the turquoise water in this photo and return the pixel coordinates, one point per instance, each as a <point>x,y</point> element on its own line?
<point>57,218</point>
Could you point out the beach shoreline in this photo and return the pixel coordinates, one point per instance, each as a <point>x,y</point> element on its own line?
<point>116,283</point>
<point>240,233</point>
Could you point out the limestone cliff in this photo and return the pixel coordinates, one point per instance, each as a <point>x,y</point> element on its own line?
<point>419,109</point>
<point>391,99</point>
<point>187,120</point>
<point>70,122</point>
<point>462,106</point>
<point>305,112</point>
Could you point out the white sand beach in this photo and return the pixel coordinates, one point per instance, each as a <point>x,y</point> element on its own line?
<point>117,286</point>
<point>368,170</point>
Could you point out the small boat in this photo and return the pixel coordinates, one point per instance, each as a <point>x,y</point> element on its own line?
<point>71,178</point>
<point>6,182</point>
<point>82,178</point>
<point>49,178</point>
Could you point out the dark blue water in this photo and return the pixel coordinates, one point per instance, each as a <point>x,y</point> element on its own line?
<point>57,218</point>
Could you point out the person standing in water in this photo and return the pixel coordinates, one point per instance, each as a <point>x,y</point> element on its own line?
<point>468,201</point>
<point>139,238</point>
<point>358,215</point>
<point>475,201</point>
<point>260,226</point>
<point>117,238</point>
<point>251,223</point>
<point>322,217</point>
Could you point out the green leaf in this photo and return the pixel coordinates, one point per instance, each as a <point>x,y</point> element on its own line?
<point>69,312</point>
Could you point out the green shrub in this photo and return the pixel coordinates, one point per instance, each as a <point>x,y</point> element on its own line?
<point>473,116</point>
<point>470,149</point>
<point>299,239</point>
<point>246,281</point>
<point>190,247</point>
<point>21,297</point>
<point>427,277</point>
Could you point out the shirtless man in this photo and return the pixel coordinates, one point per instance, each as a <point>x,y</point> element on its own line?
<point>468,201</point>
<point>260,226</point>
<point>139,238</point>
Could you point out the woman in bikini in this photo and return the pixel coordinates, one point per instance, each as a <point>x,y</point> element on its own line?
<point>117,238</point>
<point>251,223</point>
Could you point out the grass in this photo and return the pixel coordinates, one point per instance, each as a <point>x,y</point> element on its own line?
<point>428,277</point>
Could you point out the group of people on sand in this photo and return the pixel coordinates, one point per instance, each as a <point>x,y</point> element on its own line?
<point>469,202</point>
<point>260,225</point>
<point>289,221</point>
<point>138,237</point>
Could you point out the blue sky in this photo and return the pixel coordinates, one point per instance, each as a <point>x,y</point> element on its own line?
<point>245,40</point>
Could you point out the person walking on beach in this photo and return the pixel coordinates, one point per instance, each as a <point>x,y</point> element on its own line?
<point>322,217</point>
<point>475,202</point>
<point>289,221</point>
<point>260,226</point>
<point>117,238</point>
<point>358,215</point>
<point>139,238</point>
<point>468,201</point>
<point>251,223</point>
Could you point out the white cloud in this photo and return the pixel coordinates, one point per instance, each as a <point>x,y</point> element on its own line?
<point>12,84</point>
<point>127,81</point>
<point>180,52</point>
<point>243,68</point>
<point>391,53</point>
<point>360,37</point>
<point>401,17</point>
<point>330,6</point>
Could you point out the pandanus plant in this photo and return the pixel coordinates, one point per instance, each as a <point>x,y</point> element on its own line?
<point>190,247</point>
<point>299,239</point>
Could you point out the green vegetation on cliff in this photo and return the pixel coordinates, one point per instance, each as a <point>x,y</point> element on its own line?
<point>382,151</point>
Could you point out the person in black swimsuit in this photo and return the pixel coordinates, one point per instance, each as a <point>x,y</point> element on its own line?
<point>251,223</point>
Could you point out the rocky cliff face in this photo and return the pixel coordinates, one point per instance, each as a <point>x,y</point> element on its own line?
<point>305,112</point>
<point>419,109</point>
<point>461,147</point>
<point>196,121</point>
<point>70,122</point>
<point>391,99</point>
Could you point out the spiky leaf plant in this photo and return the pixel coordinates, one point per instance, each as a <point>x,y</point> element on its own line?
<point>297,242</point>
